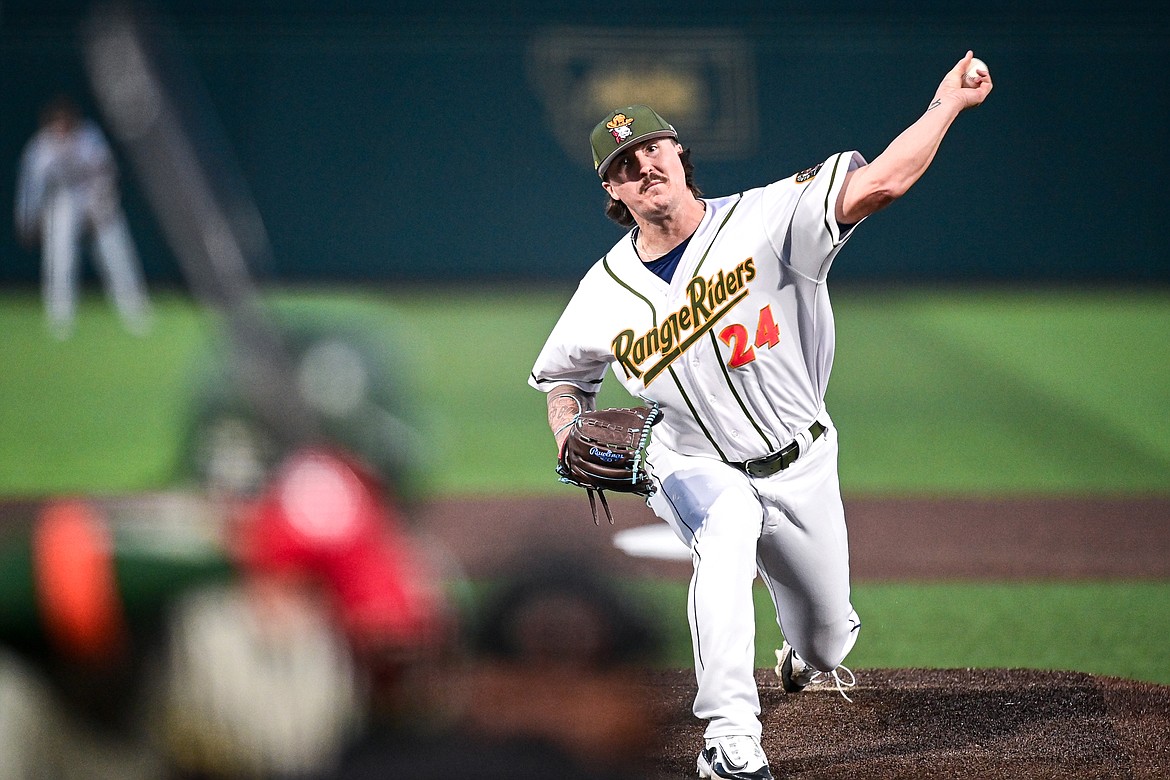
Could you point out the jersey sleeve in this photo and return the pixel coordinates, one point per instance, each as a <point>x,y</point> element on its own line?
<point>573,353</point>
<point>30,191</point>
<point>800,214</point>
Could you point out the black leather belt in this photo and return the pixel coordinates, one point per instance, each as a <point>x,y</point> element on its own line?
<point>780,460</point>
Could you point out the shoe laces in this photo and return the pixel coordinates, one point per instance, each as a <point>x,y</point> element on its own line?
<point>742,751</point>
<point>816,677</point>
<point>732,751</point>
<point>837,679</point>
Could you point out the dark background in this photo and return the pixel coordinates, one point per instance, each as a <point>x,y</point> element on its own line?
<point>417,141</point>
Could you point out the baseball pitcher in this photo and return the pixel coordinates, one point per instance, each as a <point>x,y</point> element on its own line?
<point>715,312</point>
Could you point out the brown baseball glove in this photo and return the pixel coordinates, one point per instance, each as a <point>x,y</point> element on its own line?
<point>605,450</point>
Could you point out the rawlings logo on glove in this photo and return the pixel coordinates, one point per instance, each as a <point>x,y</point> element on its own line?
<point>607,455</point>
<point>605,450</point>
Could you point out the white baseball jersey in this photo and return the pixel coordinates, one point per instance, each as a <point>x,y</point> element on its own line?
<point>738,347</point>
<point>79,162</point>
<point>67,188</point>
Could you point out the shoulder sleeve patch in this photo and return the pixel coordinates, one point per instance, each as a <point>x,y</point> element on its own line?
<point>808,173</point>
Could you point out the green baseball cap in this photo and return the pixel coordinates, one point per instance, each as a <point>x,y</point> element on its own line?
<point>624,127</point>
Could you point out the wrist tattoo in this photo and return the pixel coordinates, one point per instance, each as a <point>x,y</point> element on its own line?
<point>563,409</point>
<point>937,102</point>
<point>573,396</point>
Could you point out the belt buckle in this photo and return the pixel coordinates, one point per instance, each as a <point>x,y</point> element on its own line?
<point>783,458</point>
<point>770,464</point>
<point>751,468</point>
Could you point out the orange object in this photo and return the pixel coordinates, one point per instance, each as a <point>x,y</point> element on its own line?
<point>77,591</point>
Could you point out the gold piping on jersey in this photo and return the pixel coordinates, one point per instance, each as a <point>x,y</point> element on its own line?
<point>748,415</point>
<point>830,208</point>
<point>654,319</point>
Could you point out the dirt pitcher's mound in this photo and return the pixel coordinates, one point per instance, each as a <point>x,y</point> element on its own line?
<point>952,723</point>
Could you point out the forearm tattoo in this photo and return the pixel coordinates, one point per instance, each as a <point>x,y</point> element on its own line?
<point>564,406</point>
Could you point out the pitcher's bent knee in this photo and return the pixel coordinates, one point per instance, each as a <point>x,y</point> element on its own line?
<point>830,645</point>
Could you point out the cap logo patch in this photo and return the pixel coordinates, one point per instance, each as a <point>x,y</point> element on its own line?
<point>619,127</point>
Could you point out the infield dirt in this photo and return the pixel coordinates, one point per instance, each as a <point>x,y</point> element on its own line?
<point>902,723</point>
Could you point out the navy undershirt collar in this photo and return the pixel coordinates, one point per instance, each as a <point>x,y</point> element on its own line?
<point>664,267</point>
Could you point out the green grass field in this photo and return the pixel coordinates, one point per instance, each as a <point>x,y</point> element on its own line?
<point>1108,628</point>
<point>938,392</point>
<point>934,391</point>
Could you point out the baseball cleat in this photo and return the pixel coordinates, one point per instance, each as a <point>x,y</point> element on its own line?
<point>734,758</point>
<point>796,675</point>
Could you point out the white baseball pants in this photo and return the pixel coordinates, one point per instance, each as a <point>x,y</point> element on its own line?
<point>65,223</point>
<point>790,527</point>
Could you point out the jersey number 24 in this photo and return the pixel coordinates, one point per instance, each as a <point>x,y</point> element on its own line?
<point>743,350</point>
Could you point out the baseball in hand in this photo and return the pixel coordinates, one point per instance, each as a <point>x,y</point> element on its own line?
<point>971,75</point>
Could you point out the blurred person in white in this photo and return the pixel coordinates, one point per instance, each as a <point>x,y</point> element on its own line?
<point>67,190</point>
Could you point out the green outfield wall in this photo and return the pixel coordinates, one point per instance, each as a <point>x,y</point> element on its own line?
<point>440,141</point>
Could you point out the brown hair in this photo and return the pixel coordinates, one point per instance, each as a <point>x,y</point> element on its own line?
<point>60,107</point>
<point>620,213</point>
